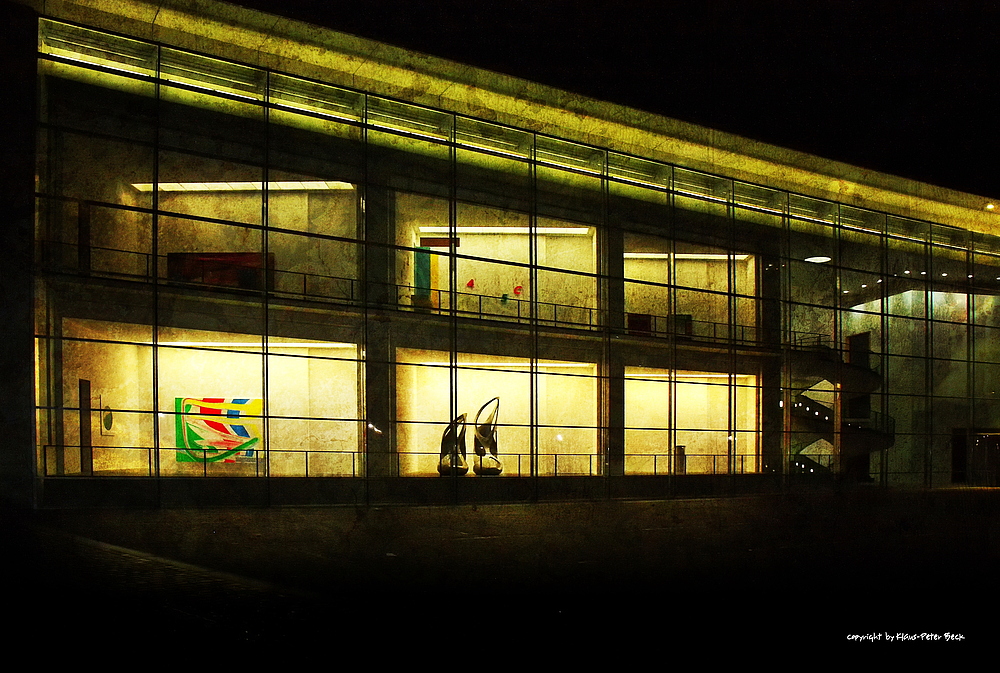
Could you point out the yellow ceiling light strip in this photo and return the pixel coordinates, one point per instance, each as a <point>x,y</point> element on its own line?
<point>557,231</point>
<point>277,186</point>
<point>504,365</point>
<point>694,375</point>
<point>684,255</point>
<point>256,344</point>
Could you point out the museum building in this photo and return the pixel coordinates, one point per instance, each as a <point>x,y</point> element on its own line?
<point>257,262</point>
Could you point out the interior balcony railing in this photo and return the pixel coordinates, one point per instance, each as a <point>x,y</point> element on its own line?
<point>504,307</point>
<point>683,325</point>
<point>138,461</point>
<point>311,285</point>
<point>252,272</point>
<point>514,464</point>
<point>244,271</point>
<point>589,465</point>
<point>811,340</point>
<point>679,461</point>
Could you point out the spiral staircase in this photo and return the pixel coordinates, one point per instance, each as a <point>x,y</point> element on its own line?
<point>815,372</point>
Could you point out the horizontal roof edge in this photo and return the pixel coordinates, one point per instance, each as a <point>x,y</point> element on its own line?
<point>280,43</point>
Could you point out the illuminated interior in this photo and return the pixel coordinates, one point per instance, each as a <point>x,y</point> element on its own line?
<point>562,441</point>
<point>679,422</point>
<point>247,273</point>
<point>309,425</point>
<point>504,268</point>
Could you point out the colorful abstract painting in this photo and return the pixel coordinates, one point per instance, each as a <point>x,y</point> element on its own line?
<point>217,429</point>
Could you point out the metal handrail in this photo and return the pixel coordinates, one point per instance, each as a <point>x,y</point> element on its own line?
<point>481,306</point>
<point>496,308</point>
<point>150,469</point>
<point>877,421</point>
<point>685,325</point>
<point>519,464</point>
<point>672,464</point>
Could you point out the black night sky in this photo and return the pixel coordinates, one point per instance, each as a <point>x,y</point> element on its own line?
<point>908,88</point>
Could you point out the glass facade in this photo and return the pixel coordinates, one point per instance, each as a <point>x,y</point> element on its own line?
<point>242,273</point>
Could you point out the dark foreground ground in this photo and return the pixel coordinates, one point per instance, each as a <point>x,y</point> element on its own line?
<point>765,574</point>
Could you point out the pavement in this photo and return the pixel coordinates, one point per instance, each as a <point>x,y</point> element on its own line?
<point>812,567</point>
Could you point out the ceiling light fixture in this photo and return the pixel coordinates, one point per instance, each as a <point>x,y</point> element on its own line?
<point>276,186</point>
<point>255,344</point>
<point>558,231</point>
<point>684,255</point>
